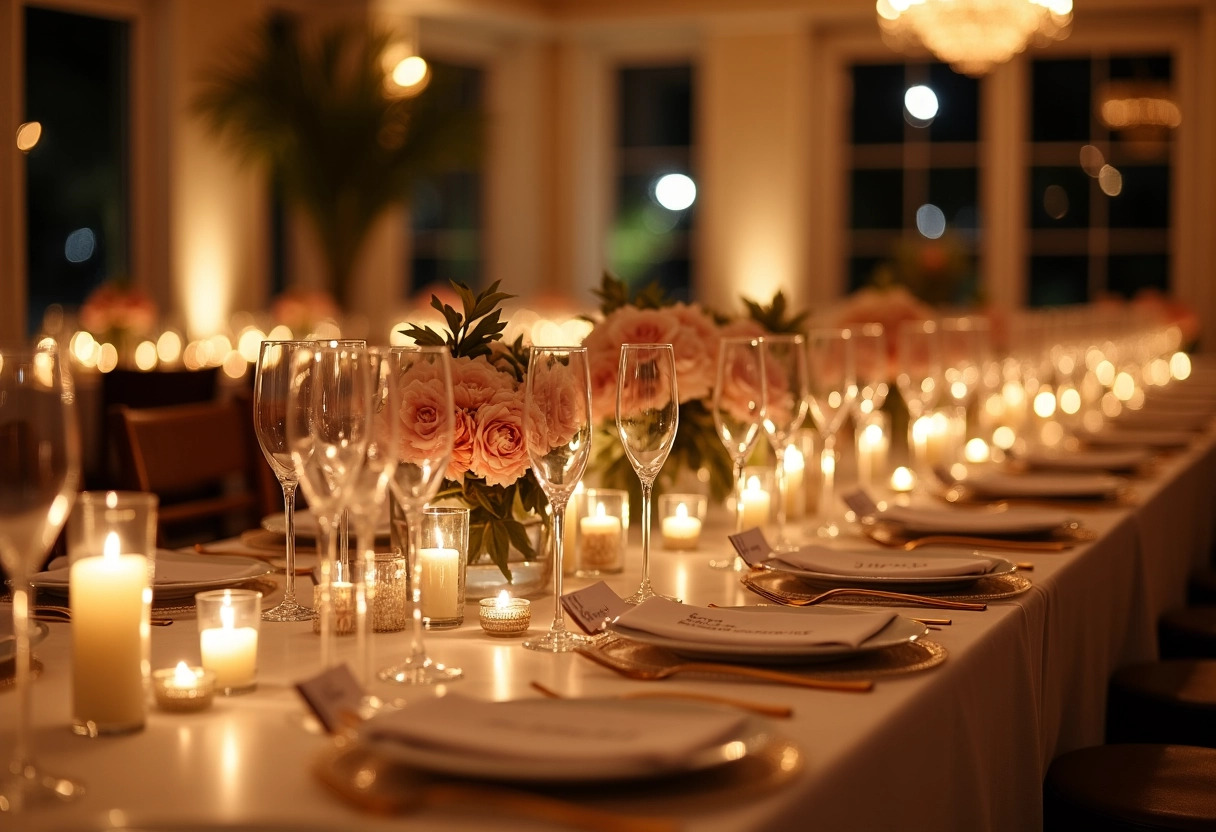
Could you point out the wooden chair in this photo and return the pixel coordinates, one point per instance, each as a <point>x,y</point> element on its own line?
<point>200,459</point>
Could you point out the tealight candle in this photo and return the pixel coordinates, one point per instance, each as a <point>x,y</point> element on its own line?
<point>793,465</point>
<point>757,504</point>
<point>872,446</point>
<point>183,688</point>
<point>504,615</point>
<point>902,480</point>
<point>680,531</point>
<point>600,540</point>
<point>230,650</point>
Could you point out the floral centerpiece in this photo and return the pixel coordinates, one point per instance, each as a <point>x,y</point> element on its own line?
<point>650,316</point>
<point>489,470</point>
<point>116,313</point>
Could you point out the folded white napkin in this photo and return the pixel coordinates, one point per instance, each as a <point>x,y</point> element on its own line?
<point>1163,419</point>
<point>1013,520</point>
<point>876,565</point>
<point>752,628</point>
<point>1145,438</point>
<point>1112,459</point>
<point>574,731</point>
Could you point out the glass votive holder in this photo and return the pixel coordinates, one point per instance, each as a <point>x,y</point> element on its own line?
<point>111,555</point>
<point>810,444</point>
<point>441,564</point>
<point>680,519</point>
<point>228,624</point>
<point>183,688</point>
<point>873,438</point>
<point>390,612</point>
<point>603,529</point>
<point>793,491</point>
<point>504,615</point>
<point>757,497</point>
<point>342,600</point>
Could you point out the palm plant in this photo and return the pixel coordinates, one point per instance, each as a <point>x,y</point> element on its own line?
<point>322,115</point>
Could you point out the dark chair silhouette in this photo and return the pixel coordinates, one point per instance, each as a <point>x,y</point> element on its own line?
<point>200,459</point>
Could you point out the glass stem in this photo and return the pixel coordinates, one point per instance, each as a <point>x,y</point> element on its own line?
<point>740,464</point>
<point>364,577</point>
<point>782,492</point>
<point>326,545</point>
<point>827,468</point>
<point>289,513</point>
<point>22,759</point>
<point>559,530</point>
<point>413,523</point>
<point>647,488</point>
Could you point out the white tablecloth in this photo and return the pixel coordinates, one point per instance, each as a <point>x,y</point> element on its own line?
<point>963,746</point>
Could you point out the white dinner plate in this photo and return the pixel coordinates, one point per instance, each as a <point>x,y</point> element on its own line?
<point>1124,437</point>
<point>999,566</point>
<point>209,573</point>
<point>307,526</point>
<point>1007,520</point>
<point>8,641</point>
<point>1044,485</point>
<point>1162,419</point>
<point>748,739</point>
<point>899,631</point>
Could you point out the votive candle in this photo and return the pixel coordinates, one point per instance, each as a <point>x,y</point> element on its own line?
<point>439,584</point>
<point>681,531</point>
<point>757,504</point>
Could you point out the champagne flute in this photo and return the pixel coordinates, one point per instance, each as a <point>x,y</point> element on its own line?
<point>557,427</point>
<point>738,405</point>
<point>328,423</point>
<point>427,425</point>
<point>39,476</point>
<point>833,386</point>
<point>271,387</point>
<point>785,407</point>
<point>647,416</point>
<point>872,365</point>
<point>918,374</point>
<point>369,490</point>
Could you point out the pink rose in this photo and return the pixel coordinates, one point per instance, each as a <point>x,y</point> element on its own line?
<point>462,445</point>
<point>739,388</point>
<point>604,367</point>
<point>499,450</point>
<point>423,423</point>
<point>696,351</point>
<point>557,405</point>
<point>476,381</point>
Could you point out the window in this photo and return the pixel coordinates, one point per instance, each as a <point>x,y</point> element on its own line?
<point>446,207</point>
<point>655,186</point>
<point>1099,178</point>
<point>78,202</point>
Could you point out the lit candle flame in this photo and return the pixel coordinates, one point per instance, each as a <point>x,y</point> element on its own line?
<point>183,676</point>
<point>681,511</point>
<point>227,616</point>
<point>503,600</point>
<point>111,548</point>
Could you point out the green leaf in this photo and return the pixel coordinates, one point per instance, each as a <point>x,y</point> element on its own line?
<point>518,534</point>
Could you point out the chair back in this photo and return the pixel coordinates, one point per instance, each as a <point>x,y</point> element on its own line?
<point>199,459</point>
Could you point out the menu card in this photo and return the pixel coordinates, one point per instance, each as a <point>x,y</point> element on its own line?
<point>877,565</point>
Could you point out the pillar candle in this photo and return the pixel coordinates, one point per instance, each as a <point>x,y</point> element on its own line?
<point>757,504</point>
<point>794,465</point>
<point>681,531</point>
<point>230,652</point>
<point>872,446</point>
<point>439,584</point>
<point>600,547</point>
<point>108,630</point>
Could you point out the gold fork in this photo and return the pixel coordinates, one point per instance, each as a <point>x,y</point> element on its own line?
<point>829,594</point>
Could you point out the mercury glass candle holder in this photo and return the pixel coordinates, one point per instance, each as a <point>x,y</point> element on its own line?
<point>505,616</point>
<point>183,688</point>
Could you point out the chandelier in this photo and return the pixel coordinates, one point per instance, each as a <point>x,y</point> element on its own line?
<point>973,36</point>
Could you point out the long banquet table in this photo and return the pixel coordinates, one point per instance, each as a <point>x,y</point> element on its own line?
<point>961,746</point>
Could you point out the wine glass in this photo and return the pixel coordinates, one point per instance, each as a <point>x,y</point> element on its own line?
<point>918,375</point>
<point>369,489</point>
<point>785,407</point>
<point>328,423</point>
<point>873,368</point>
<point>427,425</point>
<point>833,386</point>
<point>557,427</point>
<point>271,387</point>
<point>39,476</point>
<point>738,405</point>
<point>647,416</point>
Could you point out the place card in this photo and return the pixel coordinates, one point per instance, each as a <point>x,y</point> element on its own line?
<point>594,608</point>
<point>751,546</point>
<point>861,503</point>
<point>332,696</point>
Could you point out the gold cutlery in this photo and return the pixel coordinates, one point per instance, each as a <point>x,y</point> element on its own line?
<point>829,594</point>
<point>654,672</point>
<point>779,711</point>
<point>377,785</point>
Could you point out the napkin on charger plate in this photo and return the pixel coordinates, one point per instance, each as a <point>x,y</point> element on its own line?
<point>574,731</point>
<point>965,521</point>
<point>869,564</point>
<point>167,572</point>
<point>753,628</point>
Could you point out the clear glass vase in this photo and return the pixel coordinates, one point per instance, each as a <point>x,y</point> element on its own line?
<point>529,576</point>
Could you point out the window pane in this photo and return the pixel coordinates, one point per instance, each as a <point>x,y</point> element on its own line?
<point>1129,273</point>
<point>1061,101</point>
<point>655,106</point>
<point>1058,281</point>
<point>878,104</point>
<point>1144,201</point>
<point>954,191</point>
<point>878,199</point>
<point>77,201</point>
<point>1059,197</point>
<point>958,105</point>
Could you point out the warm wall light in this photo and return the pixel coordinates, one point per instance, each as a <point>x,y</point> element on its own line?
<point>973,36</point>
<point>28,135</point>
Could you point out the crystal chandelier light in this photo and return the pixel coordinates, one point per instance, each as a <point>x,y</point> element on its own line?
<point>973,36</point>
